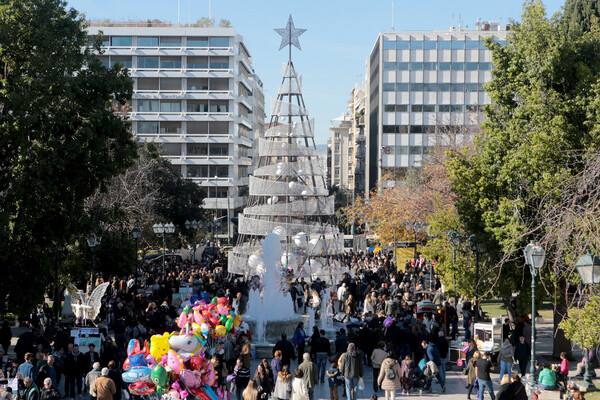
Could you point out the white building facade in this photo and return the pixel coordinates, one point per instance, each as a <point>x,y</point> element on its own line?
<point>197,96</point>
<point>421,85</point>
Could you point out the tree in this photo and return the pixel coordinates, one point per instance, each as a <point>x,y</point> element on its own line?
<point>583,325</point>
<point>61,139</point>
<point>580,15</point>
<point>225,23</point>
<point>205,22</point>
<point>543,90</point>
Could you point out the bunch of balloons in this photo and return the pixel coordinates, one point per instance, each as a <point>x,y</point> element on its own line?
<point>174,365</point>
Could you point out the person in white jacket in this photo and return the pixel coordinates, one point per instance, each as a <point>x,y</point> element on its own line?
<point>299,388</point>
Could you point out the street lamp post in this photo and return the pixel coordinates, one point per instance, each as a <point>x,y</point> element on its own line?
<point>475,248</point>
<point>534,257</point>
<point>162,230</point>
<point>57,248</point>
<point>454,239</point>
<point>93,242</point>
<point>193,225</point>
<point>588,267</point>
<point>136,232</point>
<point>416,228</point>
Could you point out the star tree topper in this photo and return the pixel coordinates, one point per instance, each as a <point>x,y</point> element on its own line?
<point>289,34</point>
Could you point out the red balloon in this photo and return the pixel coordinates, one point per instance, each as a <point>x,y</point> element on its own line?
<point>215,321</point>
<point>206,314</point>
<point>222,300</point>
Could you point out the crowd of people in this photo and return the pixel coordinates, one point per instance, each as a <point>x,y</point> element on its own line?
<point>378,327</point>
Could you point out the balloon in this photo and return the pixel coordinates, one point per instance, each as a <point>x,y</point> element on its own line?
<point>254,260</point>
<point>388,322</point>
<point>300,239</point>
<point>269,201</point>
<point>159,377</point>
<point>159,345</point>
<point>305,193</point>
<point>237,321</point>
<point>292,185</point>
<point>214,320</point>
<point>288,258</point>
<point>223,319</point>
<point>204,328</point>
<point>174,362</point>
<point>206,314</point>
<point>214,300</point>
<point>222,310</point>
<point>222,300</point>
<point>315,245</point>
<point>220,331</point>
<point>279,230</point>
<point>229,324</point>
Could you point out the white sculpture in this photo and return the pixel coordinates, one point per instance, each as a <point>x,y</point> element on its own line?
<point>84,308</point>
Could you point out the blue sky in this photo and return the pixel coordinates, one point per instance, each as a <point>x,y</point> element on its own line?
<point>340,35</point>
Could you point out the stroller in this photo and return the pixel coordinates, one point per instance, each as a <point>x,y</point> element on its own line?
<point>421,381</point>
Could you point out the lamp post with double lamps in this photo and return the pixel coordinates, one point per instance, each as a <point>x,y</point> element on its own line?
<point>454,238</point>
<point>588,267</point>
<point>162,230</point>
<point>535,255</point>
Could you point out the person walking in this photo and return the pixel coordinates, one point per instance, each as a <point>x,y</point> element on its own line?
<point>433,354</point>
<point>309,374</point>
<point>242,377</point>
<point>104,386</point>
<point>276,364</point>
<point>299,388</point>
<point>505,392</point>
<point>522,353</point>
<point>351,367</point>
<point>506,357</point>
<point>483,367</point>
<point>283,384</point>
<point>518,389</point>
<point>49,392</point>
<point>333,380</point>
<point>75,367</point>
<point>31,391</point>
<point>471,374</point>
<point>407,378</point>
<point>389,376</point>
<point>27,369</point>
<point>90,379</point>
<point>377,358</point>
<point>321,350</point>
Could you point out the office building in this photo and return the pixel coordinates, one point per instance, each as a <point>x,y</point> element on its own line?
<point>420,86</point>
<point>197,96</point>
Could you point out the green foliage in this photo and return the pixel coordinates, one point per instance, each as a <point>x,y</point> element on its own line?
<point>59,138</point>
<point>583,325</point>
<point>581,15</point>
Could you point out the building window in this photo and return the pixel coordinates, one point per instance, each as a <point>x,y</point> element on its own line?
<point>389,66</point>
<point>147,41</point>
<point>416,66</point>
<point>444,45</point>
<point>147,106</point>
<point>170,62</point>
<point>471,66</point>
<point>219,149</point>
<point>456,108</point>
<point>104,60</point>
<point>444,66</point>
<point>197,42</point>
<point>170,106</point>
<point>243,171</point>
<point>122,41</point>
<point>429,87</point>
<point>170,84</point>
<point>430,45</point>
<point>147,84</point>
<point>197,84</point>
<point>197,149</point>
<point>416,44</point>
<point>389,44</point>
<point>219,42</point>
<point>125,61</point>
<point>389,108</point>
<point>217,106</point>
<point>402,44</point>
<point>402,87</point>
<point>197,128</point>
<point>219,63</point>
<point>430,66</point>
<point>458,66</point>
<point>472,44</point>
<point>444,108</point>
<point>458,45</point>
<point>443,87</point>
<point>472,87</point>
<point>147,62</point>
<point>197,62</point>
<point>166,41</point>
<point>197,106</point>
<point>415,150</point>
<point>170,127</point>
<point>416,87</point>
<point>403,66</point>
<point>197,171</point>
<point>170,149</point>
<point>220,171</point>
<point>389,87</point>
<point>457,87</point>
<point>485,66</point>
<point>147,127</point>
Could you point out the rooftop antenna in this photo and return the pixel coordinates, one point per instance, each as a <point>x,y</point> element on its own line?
<point>178,12</point>
<point>393,15</point>
<point>209,11</point>
<point>189,12</point>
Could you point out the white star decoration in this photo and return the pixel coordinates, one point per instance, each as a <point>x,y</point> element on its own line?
<point>289,35</point>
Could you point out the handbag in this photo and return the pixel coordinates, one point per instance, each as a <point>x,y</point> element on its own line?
<point>361,384</point>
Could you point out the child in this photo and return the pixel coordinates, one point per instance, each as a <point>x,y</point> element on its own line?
<point>334,380</point>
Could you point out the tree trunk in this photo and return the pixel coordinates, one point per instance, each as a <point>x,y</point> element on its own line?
<point>560,342</point>
<point>511,312</point>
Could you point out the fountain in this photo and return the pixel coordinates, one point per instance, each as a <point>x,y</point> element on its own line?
<point>271,313</point>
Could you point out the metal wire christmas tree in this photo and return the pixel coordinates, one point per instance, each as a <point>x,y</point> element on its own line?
<point>288,191</point>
